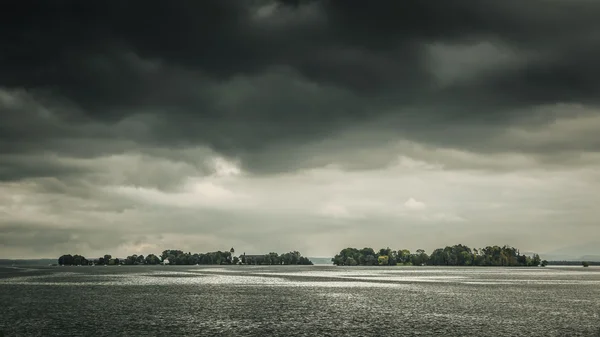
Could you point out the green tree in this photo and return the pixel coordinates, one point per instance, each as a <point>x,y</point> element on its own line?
<point>522,260</point>
<point>66,260</point>
<point>383,260</point>
<point>389,254</point>
<point>272,258</point>
<point>130,260</point>
<point>535,260</point>
<point>370,260</point>
<point>403,256</point>
<point>304,261</point>
<point>419,258</point>
<point>337,260</point>
<point>152,259</point>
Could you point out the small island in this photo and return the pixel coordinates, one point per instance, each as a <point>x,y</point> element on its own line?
<point>457,255</point>
<point>179,257</point>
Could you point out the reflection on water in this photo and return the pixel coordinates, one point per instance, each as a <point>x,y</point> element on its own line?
<point>299,301</point>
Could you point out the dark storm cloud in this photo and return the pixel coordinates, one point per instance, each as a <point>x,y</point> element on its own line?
<point>15,168</point>
<point>241,76</point>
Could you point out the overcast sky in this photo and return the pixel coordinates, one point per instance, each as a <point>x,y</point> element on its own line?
<point>134,127</point>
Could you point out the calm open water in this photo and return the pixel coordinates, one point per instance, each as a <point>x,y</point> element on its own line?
<point>299,301</point>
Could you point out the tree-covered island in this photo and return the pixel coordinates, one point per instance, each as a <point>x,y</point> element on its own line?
<point>178,257</point>
<point>457,255</point>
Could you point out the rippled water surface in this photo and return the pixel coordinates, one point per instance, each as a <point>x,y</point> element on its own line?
<point>299,301</point>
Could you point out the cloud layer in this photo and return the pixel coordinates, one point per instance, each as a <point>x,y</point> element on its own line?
<point>310,125</point>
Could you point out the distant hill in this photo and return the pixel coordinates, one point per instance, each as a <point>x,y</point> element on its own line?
<point>27,262</point>
<point>589,251</point>
<point>321,260</point>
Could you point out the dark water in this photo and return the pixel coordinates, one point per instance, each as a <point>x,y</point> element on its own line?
<point>299,301</point>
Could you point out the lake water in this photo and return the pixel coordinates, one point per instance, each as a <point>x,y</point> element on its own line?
<point>299,301</point>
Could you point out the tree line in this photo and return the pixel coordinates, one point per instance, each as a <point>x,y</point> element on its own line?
<point>179,257</point>
<point>291,258</point>
<point>79,260</point>
<point>457,255</point>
